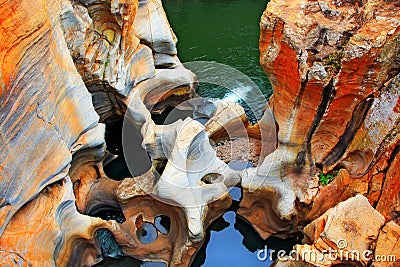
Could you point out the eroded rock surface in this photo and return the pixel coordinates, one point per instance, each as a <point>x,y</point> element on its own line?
<point>47,117</point>
<point>112,57</point>
<point>353,233</point>
<point>122,45</point>
<point>351,226</point>
<point>334,70</point>
<point>387,246</point>
<point>54,53</point>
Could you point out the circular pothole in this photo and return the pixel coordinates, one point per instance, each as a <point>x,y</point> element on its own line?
<point>146,233</point>
<point>163,224</point>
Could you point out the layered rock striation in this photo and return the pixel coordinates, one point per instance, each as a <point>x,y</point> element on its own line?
<point>334,70</point>
<point>47,117</point>
<point>334,67</point>
<point>61,61</point>
<point>69,68</point>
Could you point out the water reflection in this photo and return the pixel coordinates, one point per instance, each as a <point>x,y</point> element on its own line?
<point>227,246</point>
<point>162,223</point>
<point>239,165</point>
<point>127,145</point>
<point>233,242</point>
<point>146,233</point>
<point>128,262</point>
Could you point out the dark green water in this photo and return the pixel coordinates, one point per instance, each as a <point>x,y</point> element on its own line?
<point>224,31</point>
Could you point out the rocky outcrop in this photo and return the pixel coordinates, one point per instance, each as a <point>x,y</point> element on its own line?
<point>54,54</point>
<point>123,45</point>
<point>335,74</point>
<point>113,58</point>
<point>387,246</point>
<point>352,226</point>
<point>49,231</point>
<point>47,116</point>
<point>352,233</point>
<point>148,228</point>
<point>334,67</point>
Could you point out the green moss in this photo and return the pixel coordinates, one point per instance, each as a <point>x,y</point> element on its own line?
<point>325,179</point>
<point>334,60</point>
<point>106,63</point>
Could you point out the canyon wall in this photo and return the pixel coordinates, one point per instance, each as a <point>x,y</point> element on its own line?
<point>68,69</point>
<point>334,68</point>
<point>61,61</point>
<point>47,116</point>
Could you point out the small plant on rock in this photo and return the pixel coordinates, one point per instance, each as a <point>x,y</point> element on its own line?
<point>325,179</point>
<point>334,60</point>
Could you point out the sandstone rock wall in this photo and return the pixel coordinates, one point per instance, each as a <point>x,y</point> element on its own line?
<point>61,61</point>
<point>337,65</point>
<point>334,68</point>
<point>42,102</point>
<point>47,116</point>
<point>120,45</point>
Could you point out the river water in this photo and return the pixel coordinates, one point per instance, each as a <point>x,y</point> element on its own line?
<point>227,32</point>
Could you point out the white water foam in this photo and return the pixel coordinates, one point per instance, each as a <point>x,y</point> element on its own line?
<point>237,94</point>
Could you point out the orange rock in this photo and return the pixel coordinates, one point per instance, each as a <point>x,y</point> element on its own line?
<point>344,233</point>
<point>48,231</point>
<point>335,100</point>
<point>115,58</point>
<point>42,106</point>
<point>50,130</point>
<point>387,251</point>
<point>389,202</point>
<point>334,71</point>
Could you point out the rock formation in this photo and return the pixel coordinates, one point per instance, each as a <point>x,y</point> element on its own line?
<point>352,233</point>
<point>54,54</point>
<point>70,67</point>
<point>47,117</point>
<point>335,74</point>
<point>113,58</point>
<point>336,65</point>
